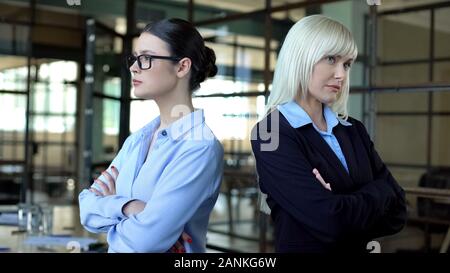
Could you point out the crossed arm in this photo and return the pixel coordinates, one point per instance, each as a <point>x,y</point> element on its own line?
<point>132,207</point>
<point>292,182</point>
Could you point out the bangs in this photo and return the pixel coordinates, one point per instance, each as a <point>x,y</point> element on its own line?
<point>307,42</point>
<point>338,42</point>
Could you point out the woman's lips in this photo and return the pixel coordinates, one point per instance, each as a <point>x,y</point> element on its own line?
<point>136,82</point>
<point>334,88</point>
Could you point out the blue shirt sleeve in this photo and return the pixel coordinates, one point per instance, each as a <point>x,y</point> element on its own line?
<point>98,213</point>
<point>186,183</point>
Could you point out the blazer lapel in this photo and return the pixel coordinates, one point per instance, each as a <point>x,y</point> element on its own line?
<point>320,144</point>
<point>343,138</point>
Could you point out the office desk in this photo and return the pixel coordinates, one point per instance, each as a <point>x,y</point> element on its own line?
<point>66,228</point>
<point>440,195</point>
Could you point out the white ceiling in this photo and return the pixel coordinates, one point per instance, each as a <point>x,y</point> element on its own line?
<point>249,5</point>
<point>442,17</point>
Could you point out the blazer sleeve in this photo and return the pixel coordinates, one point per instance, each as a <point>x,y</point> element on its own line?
<point>396,214</point>
<point>286,176</point>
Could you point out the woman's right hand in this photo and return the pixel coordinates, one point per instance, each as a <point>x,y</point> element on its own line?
<point>178,247</point>
<point>319,177</point>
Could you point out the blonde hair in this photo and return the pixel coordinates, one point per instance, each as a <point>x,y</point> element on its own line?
<point>307,42</point>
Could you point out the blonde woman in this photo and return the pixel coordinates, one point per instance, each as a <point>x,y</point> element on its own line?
<point>326,186</point>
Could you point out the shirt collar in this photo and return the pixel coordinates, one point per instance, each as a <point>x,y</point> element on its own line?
<point>297,117</point>
<point>185,124</point>
<point>177,128</point>
<point>150,128</point>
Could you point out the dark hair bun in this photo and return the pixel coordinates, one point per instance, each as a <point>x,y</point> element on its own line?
<point>206,67</point>
<point>211,67</point>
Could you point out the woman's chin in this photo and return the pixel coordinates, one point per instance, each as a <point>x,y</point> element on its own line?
<point>329,101</point>
<point>142,95</point>
<point>333,97</point>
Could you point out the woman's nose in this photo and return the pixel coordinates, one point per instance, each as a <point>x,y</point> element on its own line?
<point>339,73</point>
<point>134,68</point>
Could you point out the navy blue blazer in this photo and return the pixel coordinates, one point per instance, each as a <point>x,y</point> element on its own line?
<point>364,204</point>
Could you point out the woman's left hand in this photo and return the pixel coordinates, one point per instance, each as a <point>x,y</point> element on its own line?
<point>109,189</point>
<point>178,247</point>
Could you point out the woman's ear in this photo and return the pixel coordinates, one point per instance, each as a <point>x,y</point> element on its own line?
<point>183,67</point>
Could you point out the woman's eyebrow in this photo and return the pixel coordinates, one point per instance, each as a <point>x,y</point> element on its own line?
<point>340,57</point>
<point>143,52</point>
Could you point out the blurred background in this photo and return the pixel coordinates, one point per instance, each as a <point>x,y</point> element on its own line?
<point>66,105</point>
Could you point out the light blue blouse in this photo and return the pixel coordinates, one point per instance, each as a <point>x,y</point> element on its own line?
<point>179,181</point>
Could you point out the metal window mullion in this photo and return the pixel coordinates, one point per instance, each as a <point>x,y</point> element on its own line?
<point>87,103</point>
<point>27,176</point>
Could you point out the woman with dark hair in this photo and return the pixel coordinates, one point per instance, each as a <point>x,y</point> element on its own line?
<point>165,180</point>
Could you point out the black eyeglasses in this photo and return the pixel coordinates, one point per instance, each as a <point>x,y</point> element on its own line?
<point>145,60</point>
